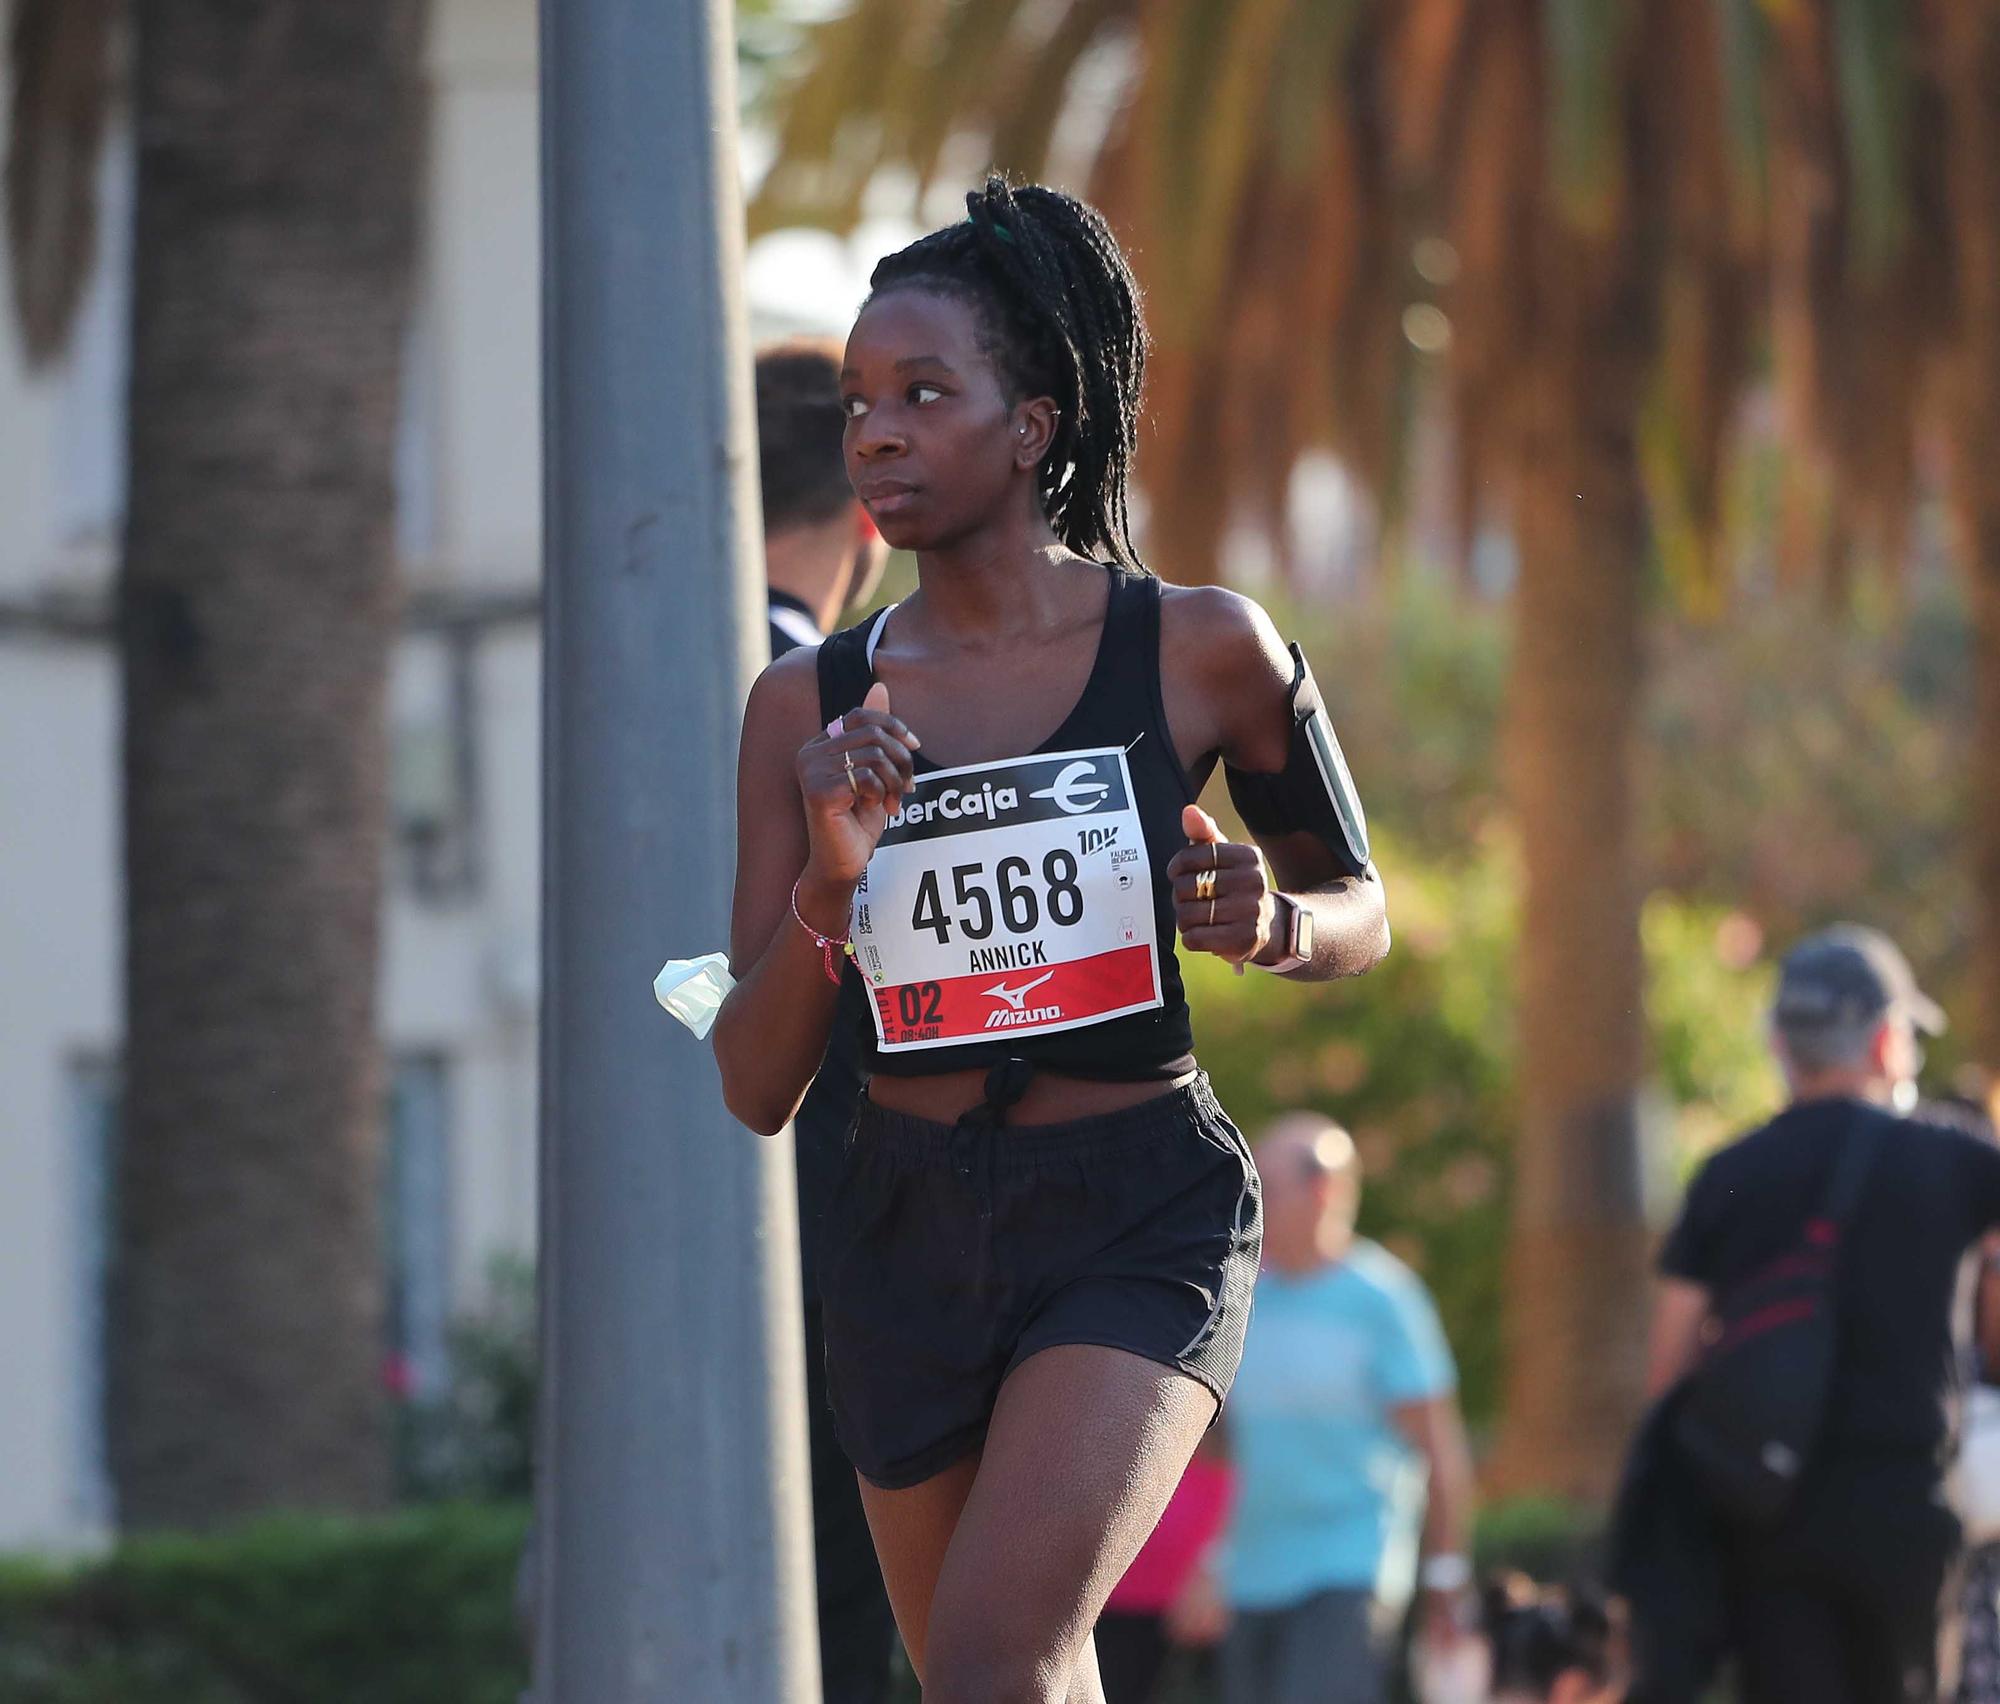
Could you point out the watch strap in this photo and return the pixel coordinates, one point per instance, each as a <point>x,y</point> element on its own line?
<point>1293,957</point>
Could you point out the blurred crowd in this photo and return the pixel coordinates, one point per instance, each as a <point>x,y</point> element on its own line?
<point>1812,1502</point>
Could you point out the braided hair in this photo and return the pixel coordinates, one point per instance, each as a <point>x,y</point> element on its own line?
<point>1059,315</point>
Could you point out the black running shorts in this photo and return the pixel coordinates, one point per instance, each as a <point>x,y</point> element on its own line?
<point>954,1252</point>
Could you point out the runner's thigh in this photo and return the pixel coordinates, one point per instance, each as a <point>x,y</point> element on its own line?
<point>1085,1448</point>
<point>912,1530</point>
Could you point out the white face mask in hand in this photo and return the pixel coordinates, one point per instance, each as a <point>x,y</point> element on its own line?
<point>1460,1673</point>
<point>694,989</point>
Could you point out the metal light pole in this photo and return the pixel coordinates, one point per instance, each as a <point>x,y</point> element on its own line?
<point>674,1557</point>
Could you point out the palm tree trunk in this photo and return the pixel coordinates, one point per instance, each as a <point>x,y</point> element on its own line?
<point>1182,471</point>
<point>1985,780</point>
<point>1577,1285</point>
<point>279,153</point>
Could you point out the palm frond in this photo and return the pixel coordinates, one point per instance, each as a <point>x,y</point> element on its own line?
<point>61,63</point>
<point>1215,60</point>
<point>1586,42</point>
<point>1872,64</point>
<point>837,130</point>
<point>1743,52</point>
<point>926,91</point>
<point>1031,90</point>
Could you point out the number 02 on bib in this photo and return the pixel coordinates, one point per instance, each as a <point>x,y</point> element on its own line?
<point>1005,899</point>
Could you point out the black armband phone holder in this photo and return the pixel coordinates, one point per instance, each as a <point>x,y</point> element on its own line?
<point>1313,793</point>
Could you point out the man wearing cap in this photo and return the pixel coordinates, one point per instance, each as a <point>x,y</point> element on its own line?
<point>1842,1601</point>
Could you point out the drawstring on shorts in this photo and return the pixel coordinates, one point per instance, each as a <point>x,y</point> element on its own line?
<point>973,1134</point>
<point>1006,1083</point>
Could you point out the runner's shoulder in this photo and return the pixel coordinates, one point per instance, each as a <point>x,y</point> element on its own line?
<point>1215,635</point>
<point>784,699</point>
<point>1222,649</point>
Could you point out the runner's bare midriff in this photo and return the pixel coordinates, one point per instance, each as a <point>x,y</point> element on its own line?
<point>1051,1099</point>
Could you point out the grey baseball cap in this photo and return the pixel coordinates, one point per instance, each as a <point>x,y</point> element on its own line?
<point>1851,975</point>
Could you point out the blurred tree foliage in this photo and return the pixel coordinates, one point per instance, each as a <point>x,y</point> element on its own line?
<point>476,1441</point>
<point>1807,770</point>
<point>1802,770</point>
<point>1799,765</point>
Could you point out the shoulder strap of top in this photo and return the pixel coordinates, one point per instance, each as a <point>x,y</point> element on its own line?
<point>1129,660</point>
<point>1145,592</point>
<point>875,629</point>
<point>847,666</point>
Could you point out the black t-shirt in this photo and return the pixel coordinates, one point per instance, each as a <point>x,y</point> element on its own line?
<point>1932,1192</point>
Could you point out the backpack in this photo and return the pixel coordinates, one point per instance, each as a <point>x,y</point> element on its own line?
<point>1752,1408</point>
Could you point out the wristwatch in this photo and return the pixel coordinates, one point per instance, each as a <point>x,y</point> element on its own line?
<point>1445,1573</point>
<point>1298,936</point>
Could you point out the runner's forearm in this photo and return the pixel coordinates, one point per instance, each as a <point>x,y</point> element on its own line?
<point>1350,928</point>
<point>771,1033</point>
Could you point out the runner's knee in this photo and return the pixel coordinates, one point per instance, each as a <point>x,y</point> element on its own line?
<point>992,1652</point>
<point>984,1671</point>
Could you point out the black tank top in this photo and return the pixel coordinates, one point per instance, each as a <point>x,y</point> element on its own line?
<point>1005,913</point>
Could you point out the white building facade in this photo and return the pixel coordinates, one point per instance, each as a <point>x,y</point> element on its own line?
<point>459,983</point>
<point>458,987</point>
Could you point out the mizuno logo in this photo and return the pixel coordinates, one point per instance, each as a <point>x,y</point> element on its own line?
<point>1031,1015</point>
<point>1015,998</point>
<point>1076,790</point>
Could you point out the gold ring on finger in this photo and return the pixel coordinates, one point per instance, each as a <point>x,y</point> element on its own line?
<point>853,786</point>
<point>1211,911</point>
<point>1204,885</point>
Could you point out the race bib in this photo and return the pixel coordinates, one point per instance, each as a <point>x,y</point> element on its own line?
<point>1008,899</point>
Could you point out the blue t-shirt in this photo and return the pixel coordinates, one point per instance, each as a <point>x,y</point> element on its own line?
<point>1328,1491</point>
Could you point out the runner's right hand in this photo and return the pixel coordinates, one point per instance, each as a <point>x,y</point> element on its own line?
<point>845,819</point>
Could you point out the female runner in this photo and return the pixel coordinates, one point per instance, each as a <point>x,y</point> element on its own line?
<point>1039,1255</point>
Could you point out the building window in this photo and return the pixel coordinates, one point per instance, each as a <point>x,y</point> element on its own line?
<point>416,1242</point>
<point>416,1228</point>
<point>94,1106</point>
<point>416,435</point>
<point>435,761</point>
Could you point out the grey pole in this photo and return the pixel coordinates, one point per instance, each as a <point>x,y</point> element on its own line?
<point>672,1528</point>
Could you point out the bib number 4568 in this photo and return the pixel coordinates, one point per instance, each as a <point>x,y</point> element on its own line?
<point>1021,900</point>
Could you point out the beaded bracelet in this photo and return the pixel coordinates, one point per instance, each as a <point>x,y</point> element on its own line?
<point>825,943</point>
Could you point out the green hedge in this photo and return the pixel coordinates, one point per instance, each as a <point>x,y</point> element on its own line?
<point>415,1608</point>
<point>409,1609</point>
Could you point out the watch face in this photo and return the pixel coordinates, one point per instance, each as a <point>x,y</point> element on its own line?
<point>1302,932</point>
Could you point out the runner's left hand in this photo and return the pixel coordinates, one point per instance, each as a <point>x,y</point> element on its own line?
<point>1237,925</point>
